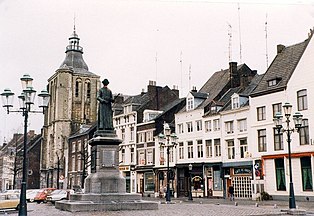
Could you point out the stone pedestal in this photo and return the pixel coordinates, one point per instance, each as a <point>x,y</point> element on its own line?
<point>105,186</point>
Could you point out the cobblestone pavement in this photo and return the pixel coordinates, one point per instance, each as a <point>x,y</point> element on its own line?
<point>199,207</point>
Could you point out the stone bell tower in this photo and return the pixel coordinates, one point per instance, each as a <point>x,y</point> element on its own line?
<point>73,90</point>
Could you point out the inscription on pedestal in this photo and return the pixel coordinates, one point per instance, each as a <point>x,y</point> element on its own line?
<point>108,158</point>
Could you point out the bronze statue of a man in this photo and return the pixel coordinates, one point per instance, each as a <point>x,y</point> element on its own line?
<point>105,112</point>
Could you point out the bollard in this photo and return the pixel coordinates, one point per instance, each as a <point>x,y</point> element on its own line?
<point>275,206</point>
<point>235,203</point>
<point>256,204</point>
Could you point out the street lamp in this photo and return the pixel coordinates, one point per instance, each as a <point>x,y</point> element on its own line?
<point>190,182</point>
<point>26,99</point>
<point>297,117</point>
<point>169,141</point>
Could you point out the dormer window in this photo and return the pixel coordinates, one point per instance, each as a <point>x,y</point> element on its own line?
<point>274,82</point>
<point>190,103</point>
<point>235,103</point>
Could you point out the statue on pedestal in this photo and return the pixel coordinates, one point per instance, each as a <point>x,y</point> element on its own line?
<point>105,112</point>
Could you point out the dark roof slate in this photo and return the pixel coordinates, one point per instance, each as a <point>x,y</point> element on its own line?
<point>281,68</point>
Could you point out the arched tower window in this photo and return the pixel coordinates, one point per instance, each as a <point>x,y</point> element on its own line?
<point>88,89</point>
<point>77,87</point>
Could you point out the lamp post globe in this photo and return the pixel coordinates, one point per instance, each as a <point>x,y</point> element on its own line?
<point>26,100</point>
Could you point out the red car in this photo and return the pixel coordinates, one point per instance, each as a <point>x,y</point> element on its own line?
<point>42,194</point>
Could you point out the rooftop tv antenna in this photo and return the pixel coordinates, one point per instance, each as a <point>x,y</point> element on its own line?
<point>190,71</point>
<point>230,41</point>
<point>240,33</point>
<point>266,43</point>
<point>181,72</point>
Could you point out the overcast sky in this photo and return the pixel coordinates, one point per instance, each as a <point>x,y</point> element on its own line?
<point>123,39</point>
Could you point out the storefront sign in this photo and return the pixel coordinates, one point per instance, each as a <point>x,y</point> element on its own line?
<point>124,168</point>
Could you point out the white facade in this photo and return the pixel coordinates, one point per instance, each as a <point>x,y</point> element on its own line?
<point>301,79</point>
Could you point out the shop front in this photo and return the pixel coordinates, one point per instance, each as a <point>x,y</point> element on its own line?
<point>146,182</point>
<point>213,180</point>
<point>161,182</point>
<point>195,176</point>
<point>125,170</point>
<point>238,174</point>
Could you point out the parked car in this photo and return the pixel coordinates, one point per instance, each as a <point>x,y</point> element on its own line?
<point>13,191</point>
<point>9,201</point>
<point>30,194</point>
<point>42,194</point>
<point>59,195</point>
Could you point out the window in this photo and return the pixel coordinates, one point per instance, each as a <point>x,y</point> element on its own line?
<point>304,132</point>
<point>131,133</point>
<point>277,109</point>
<point>217,147</point>
<point>162,155</point>
<point>306,170</point>
<point>231,152</point>
<point>199,148</point>
<point>261,113</point>
<point>141,137</point>
<point>141,158</point>
<point>181,150</point>
<point>216,125</point>
<point>261,140</point>
<point>149,136</point>
<point>242,125</point>
<point>209,148</point>
<point>273,82</point>
<point>190,149</point>
<point>123,155</point>
<point>180,128</point>
<point>229,127</point>
<point>123,134</point>
<point>280,174</point>
<point>208,126</point>
<point>189,126</point>
<point>77,87</point>
<point>73,163</point>
<point>79,146</point>
<point>73,147</point>
<point>278,140</point>
<point>88,90</point>
<point>235,103</point>
<point>79,163</point>
<point>171,155</point>
<point>132,155</point>
<point>199,125</point>
<point>243,148</point>
<point>302,100</point>
<point>149,156</point>
<point>190,103</point>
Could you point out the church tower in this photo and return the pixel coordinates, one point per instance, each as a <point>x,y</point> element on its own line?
<point>73,89</point>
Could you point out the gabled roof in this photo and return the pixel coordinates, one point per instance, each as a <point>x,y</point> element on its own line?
<point>137,99</point>
<point>242,92</point>
<point>216,83</point>
<point>281,69</point>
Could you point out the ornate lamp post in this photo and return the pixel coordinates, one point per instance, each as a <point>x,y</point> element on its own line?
<point>26,99</point>
<point>190,182</point>
<point>169,141</point>
<point>297,117</point>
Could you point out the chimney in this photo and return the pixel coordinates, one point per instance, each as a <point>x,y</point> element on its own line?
<point>244,81</point>
<point>151,88</point>
<point>175,90</point>
<point>193,89</point>
<point>280,48</point>
<point>234,75</point>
